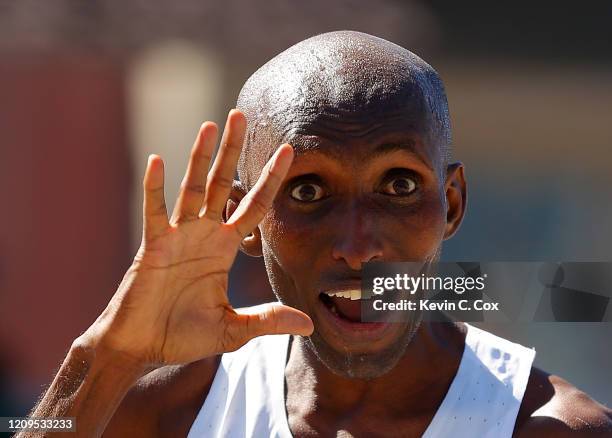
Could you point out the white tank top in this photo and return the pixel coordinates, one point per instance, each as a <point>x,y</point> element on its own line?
<point>247,396</point>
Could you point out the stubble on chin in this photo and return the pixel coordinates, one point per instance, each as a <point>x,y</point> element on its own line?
<point>366,366</point>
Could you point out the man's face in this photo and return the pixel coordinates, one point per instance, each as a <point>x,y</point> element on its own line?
<point>360,189</point>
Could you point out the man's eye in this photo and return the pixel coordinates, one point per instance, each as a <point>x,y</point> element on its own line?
<point>307,192</point>
<point>400,186</point>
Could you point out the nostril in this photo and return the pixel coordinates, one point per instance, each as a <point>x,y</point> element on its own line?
<point>355,255</point>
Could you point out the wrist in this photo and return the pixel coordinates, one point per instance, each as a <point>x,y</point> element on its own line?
<point>93,351</point>
<point>90,385</point>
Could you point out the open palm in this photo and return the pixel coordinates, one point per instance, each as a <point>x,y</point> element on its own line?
<point>172,305</point>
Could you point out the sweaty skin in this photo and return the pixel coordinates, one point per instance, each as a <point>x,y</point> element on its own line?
<point>369,178</point>
<point>350,105</point>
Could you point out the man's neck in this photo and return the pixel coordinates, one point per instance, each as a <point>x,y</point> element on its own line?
<point>416,385</point>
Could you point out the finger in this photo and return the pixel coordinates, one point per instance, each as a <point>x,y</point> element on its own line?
<point>191,195</point>
<point>268,319</point>
<point>155,220</point>
<point>258,201</point>
<point>221,175</point>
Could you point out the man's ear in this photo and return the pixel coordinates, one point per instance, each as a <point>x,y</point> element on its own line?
<point>456,198</point>
<point>251,244</point>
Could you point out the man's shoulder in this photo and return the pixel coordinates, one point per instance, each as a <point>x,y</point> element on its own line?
<point>552,407</point>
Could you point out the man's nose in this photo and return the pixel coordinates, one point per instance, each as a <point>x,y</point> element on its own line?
<point>358,240</point>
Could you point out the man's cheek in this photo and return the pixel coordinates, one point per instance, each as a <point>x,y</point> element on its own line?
<point>428,220</point>
<point>414,236</point>
<point>294,236</point>
<point>287,283</point>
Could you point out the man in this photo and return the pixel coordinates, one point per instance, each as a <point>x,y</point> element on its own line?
<point>367,178</point>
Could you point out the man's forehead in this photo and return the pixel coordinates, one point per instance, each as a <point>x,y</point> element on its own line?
<point>357,134</point>
<point>338,133</point>
<point>342,87</point>
<point>342,151</point>
<point>351,120</point>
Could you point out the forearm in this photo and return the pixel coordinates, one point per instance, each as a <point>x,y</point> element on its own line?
<point>89,386</point>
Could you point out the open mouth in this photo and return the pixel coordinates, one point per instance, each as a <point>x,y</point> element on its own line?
<point>343,320</point>
<point>344,304</point>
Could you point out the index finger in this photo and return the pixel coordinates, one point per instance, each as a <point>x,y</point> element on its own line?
<point>258,201</point>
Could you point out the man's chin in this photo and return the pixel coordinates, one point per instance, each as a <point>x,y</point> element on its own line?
<point>359,363</point>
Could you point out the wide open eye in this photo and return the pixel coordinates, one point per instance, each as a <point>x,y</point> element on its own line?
<point>399,184</point>
<point>307,192</point>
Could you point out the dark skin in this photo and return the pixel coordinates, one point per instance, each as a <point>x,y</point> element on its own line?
<point>353,183</point>
<point>406,398</point>
<point>373,184</point>
<point>354,177</point>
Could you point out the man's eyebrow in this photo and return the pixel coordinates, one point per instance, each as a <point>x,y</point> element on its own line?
<point>408,146</point>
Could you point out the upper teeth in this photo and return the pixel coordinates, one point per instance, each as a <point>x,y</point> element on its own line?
<point>353,294</point>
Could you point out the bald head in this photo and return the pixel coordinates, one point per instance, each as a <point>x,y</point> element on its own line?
<point>340,78</point>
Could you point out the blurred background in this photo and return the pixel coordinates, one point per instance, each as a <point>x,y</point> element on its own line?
<point>89,89</point>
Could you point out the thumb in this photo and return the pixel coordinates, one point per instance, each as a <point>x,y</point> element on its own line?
<point>272,319</point>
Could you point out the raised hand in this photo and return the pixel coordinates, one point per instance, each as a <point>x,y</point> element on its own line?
<point>172,305</point>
